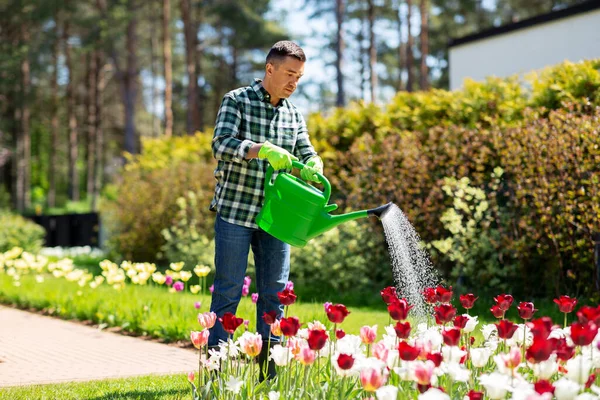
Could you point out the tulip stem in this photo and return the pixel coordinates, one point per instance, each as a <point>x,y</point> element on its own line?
<point>565,323</point>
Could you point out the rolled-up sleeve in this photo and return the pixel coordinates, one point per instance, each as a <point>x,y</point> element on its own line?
<point>226,144</point>
<point>304,149</point>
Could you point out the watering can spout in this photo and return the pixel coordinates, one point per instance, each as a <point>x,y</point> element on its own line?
<point>379,211</point>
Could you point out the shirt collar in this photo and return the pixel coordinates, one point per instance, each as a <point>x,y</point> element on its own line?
<point>262,93</point>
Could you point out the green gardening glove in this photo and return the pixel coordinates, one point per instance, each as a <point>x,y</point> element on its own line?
<point>278,157</point>
<point>313,165</point>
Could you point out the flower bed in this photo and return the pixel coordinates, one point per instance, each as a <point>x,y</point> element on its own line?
<point>438,358</point>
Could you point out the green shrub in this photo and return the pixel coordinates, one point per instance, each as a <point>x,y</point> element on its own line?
<point>143,202</point>
<point>184,240</point>
<point>18,231</point>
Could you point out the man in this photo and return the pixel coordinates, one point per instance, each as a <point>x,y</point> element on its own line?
<point>256,126</point>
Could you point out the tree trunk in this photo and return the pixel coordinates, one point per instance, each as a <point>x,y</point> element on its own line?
<point>153,63</point>
<point>168,69</point>
<point>401,58</point>
<point>54,122</point>
<point>25,163</point>
<point>129,81</point>
<point>99,133</point>
<point>190,34</point>
<point>339,52</point>
<point>362,58</point>
<point>424,44</point>
<point>199,56</point>
<point>73,186</point>
<point>409,50</point>
<point>91,124</point>
<point>372,52</point>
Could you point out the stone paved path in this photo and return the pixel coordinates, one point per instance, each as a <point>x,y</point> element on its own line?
<point>36,349</point>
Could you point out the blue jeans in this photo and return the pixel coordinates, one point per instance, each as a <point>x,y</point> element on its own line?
<point>272,262</point>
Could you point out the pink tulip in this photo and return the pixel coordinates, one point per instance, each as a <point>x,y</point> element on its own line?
<point>380,351</point>
<point>372,379</point>
<point>289,285</point>
<point>168,280</point>
<point>423,372</point>
<point>368,334</point>
<point>197,305</point>
<point>276,328</point>
<point>251,344</point>
<point>199,339</point>
<point>191,377</point>
<point>254,297</point>
<point>207,320</point>
<point>178,286</point>
<point>245,290</point>
<point>306,356</point>
<point>211,288</point>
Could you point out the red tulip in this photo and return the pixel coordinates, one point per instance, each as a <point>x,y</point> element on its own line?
<point>337,313</point>
<point>474,395</point>
<point>402,330</point>
<point>504,301</point>
<point>587,313</point>
<point>230,322</point>
<point>339,333</point>
<point>436,358</point>
<point>345,361</point>
<point>408,352</point>
<point>590,381</point>
<point>497,311</point>
<point>289,326</point>
<point>541,327</point>
<point>269,317</point>
<point>463,358</point>
<point>287,297</point>
<point>443,295</point>
<point>317,339</point>
<point>526,310</point>
<point>566,304</point>
<point>429,295</point>
<point>506,329</point>
<point>539,350</point>
<point>460,321</point>
<point>389,294</point>
<point>399,309</point>
<point>467,300</point>
<point>563,351</point>
<point>583,333</point>
<point>444,313</point>
<point>451,336</point>
<point>543,386</point>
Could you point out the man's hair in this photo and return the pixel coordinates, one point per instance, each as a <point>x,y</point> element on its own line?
<point>283,49</point>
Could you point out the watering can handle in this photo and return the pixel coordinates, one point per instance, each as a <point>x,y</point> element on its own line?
<point>322,179</point>
<point>299,165</point>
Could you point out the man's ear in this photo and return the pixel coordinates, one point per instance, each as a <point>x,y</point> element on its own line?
<point>269,69</point>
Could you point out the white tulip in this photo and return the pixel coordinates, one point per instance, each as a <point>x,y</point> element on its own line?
<point>586,396</point>
<point>496,385</point>
<point>490,332</point>
<point>452,354</point>
<point>565,389</point>
<point>434,394</point>
<point>281,355</point>
<point>578,369</point>
<point>545,369</point>
<point>480,356</point>
<point>471,323</point>
<point>387,392</point>
<point>274,395</point>
<point>457,372</point>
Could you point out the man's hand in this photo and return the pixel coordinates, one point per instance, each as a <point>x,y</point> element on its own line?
<point>278,158</point>
<point>313,165</point>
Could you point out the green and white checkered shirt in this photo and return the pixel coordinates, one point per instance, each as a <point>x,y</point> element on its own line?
<point>246,117</point>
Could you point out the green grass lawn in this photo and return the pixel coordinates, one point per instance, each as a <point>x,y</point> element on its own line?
<point>169,387</point>
<point>152,310</point>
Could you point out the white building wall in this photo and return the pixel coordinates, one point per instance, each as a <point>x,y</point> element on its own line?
<point>573,38</point>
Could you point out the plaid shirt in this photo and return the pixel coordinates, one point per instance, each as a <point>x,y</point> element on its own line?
<point>246,117</point>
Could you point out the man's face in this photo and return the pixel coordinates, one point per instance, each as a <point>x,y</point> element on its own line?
<point>284,76</point>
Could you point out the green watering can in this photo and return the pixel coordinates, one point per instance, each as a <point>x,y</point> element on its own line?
<point>295,212</point>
